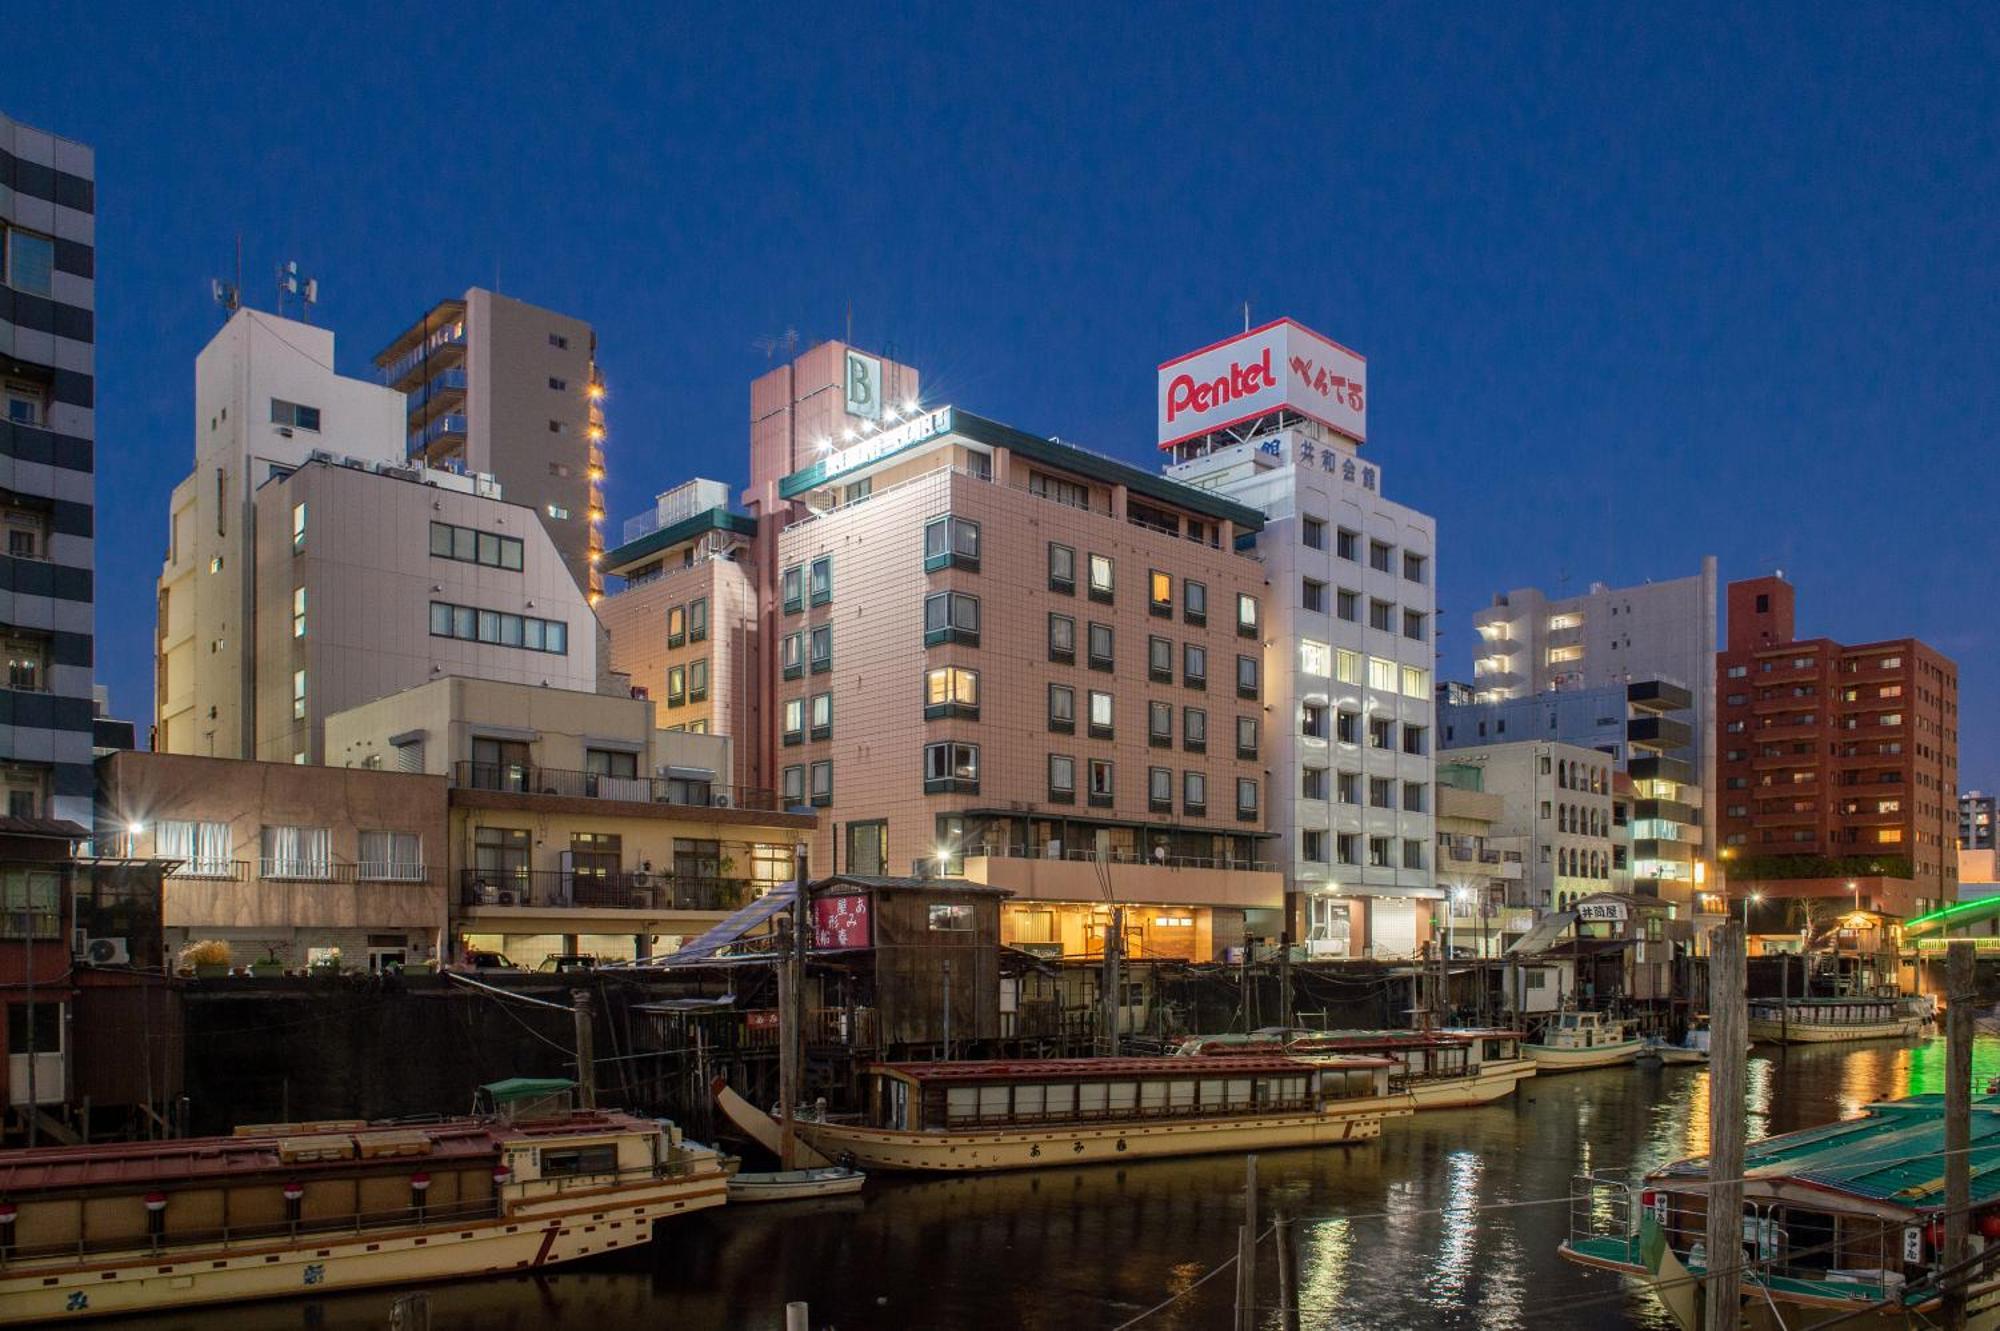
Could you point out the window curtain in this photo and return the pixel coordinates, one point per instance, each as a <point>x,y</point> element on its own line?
<point>298,852</point>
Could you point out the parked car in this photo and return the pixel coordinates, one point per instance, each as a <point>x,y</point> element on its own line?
<point>488,963</point>
<point>558,963</point>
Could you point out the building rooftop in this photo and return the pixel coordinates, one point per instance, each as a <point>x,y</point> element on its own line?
<point>662,539</point>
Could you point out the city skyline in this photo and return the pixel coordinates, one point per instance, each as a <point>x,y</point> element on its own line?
<point>1625,360</point>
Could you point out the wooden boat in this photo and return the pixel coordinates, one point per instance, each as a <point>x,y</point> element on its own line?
<point>308,1209</point>
<point>1823,1020</point>
<point>1444,1069</point>
<point>1837,1218</point>
<point>1692,1049</point>
<point>1575,1040</point>
<point>1036,1113</point>
<point>790,1185</point>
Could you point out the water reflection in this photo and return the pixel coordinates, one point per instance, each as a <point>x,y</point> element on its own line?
<point>1384,1235</point>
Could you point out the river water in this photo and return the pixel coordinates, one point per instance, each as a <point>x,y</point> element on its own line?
<point>1087,1248</point>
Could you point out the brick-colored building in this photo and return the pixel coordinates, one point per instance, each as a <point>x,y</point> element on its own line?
<point>1838,764</point>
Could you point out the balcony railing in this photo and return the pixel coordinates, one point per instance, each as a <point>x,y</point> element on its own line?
<point>305,869</point>
<point>584,889</point>
<point>212,870</point>
<point>448,424</point>
<point>451,335</point>
<point>1114,855</point>
<point>519,779</point>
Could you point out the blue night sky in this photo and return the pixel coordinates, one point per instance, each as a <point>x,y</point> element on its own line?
<point>1635,284</point>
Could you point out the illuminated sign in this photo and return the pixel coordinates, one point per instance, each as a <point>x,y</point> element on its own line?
<point>1282,364</point>
<point>919,429</point>
<point>1606,911</point>
<point>841,922</point>
<point>862,386</point>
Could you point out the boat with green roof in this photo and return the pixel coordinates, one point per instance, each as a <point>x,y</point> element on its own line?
<point>1847,1216</point>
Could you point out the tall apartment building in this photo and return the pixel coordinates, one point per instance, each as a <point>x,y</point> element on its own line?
<point>1350,627</point>
<point>1531,643</point>
<point>1839,763</point>
<point>309,570</point>
<point>48,298</point>
<point>1975,820</point>
<point>497,386</point>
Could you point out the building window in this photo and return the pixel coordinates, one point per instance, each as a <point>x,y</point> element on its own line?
<point>1347,788</point>
<point>467,545</point>
<point>1347,848</point>
<point>698,680</point>
<point>299,529</point>
<point>1246,676</point>
<point>1160,593</point>
<point>951,691</point>
<point>951,767</point>
<point>1413,625</point>
<point>27,664</point>
<point>822,783</point>
<point>1160,660</point>
<point>27,403</point>
<point>1379,615</point>
<point>1100,647</point>
<point>1100,578</point>
<point>1378,555</point>
<point>698,619</point>
<point>951,542</point>
<point>1246,797</point>
<point>1312,846</point>
<point>1413,567</point>
<point>1413,854</point>
<point>497,628</point>
<point>298,695</point>
<point>1313,532</point>
<point>792,588</point>
<point>1194,601</point>
<point>822,716</point>
<point>1414,800</point>
<point>1100,715</point>
<point>31,907</point>
<point>1194,730</point>
<point>1378,853</point>
<point>1194,665</point>
<point>1194,793</point>
<point>558,341</point>
<point>1102,792</point>
<point>1347,726</point>
<point>951,617</point>
<point>1160,789</point>
<point>795,786</point>
<point>299,612</point>
<point>791,655</point>
<point>676,685</point>
<point>1062,639</point>
<point>1312,596</point>
<point>1312,783</point>
<point>1315,658</point>
<point>1246,737</point>
<point>821,580</point>
<point>1312,720</point>
<point>1381,674</point>
<point>1060,490</point>
<point>1417,683</point>
<point>31,262</point>
<point>1381,733</point>
<point>391,857</point>
<point>304,853</point>
<point>676,626</point>
<point>821,648</point>
<point>1062,569</point>
<point>1062,709</point>
<point>1160,724</point>
<point>1348,545</point>
<point>1348,606</point>
<point>1246,615</point>
<point>558,385</point>
<point>1062,779</point>
<point>294,416</point>
<point>203,848</point>
<point>558,512</point>
<point>1416,739</point>
<point>1381,792</point>
<point>794,730</point>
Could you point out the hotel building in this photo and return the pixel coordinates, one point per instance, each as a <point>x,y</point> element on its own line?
<point>1839,763</point>
<point>496,386</point>
<point>48,385</point>
<point>1348,633</point>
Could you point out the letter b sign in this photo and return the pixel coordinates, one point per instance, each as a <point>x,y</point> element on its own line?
<point>864,386</point>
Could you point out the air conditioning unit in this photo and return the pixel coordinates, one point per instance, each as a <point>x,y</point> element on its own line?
<point>641,878</point>
<point>108,952</point>
<point>720,801</point>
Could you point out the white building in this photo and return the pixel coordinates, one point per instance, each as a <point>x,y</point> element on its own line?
<point>1556,796</point>
<point>1349,634</point>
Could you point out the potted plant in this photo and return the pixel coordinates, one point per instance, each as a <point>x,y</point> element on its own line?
<point>208,958</point>
<point>269,966</point>
<point>327,962</point>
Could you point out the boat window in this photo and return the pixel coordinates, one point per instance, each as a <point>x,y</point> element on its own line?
<point>1181,1095</point>
<point>1091,1097</point>
<point>1211,1091</point>
<point>993,1101</point>
<point>1153,1095</point>
<point>1239,1091</point>
<point>1061,1099</point>
<point>962,1102</point>
<point>580,1160</point>
<point>1028,1101</point>
<point>1124,1095</point>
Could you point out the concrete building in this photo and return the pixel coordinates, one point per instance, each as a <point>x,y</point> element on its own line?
<point>1839,763</point>
<point>576,825</point>
<point>684,624</point>
<point>1976,821</point>
<point>1349,647</point>
<point>497,386</point>
<point>48,368</point>
<point>290,866</point>
<point>1559,798</point>
<point>1530,643</point>
<point>1482,871</point>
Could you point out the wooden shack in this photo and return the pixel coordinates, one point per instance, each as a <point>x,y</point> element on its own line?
<point>926,950</point>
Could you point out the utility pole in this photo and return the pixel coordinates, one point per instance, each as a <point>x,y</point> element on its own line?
<point>1114,946</point>
<point>791,1016</point>
<point>583,1008</point>
<point>1957,1127</point>
<point>1728,1021</point>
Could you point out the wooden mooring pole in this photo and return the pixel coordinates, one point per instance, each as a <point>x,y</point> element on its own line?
<point>1958,1028</point>
<point>583,1009</point>
<point>1246,1251</point>
<point>796,1317</point>
<point>1288,1275</point>
<point>1727,1045</point>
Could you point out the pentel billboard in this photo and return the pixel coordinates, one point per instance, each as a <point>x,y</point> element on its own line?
<point>1282,364</point>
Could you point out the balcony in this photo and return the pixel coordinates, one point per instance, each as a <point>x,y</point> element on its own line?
<point>620,889</point>
<point>1674,811</point>
<point>1785,729</point>
<point>1657,695</point>
<point>441,393</point>
<point>450,426</point>
<point>517,779</point>
<point>1173,881</point>
<point>446,345</point>
<point>1659,732</point>
<point>1661,850</point>
<point>305,869</point>
<point>1479,863</point>
<point>1658,767</point>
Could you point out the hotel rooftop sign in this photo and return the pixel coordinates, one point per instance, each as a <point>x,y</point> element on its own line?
<point>873,447</point>
<point>1281,365</point>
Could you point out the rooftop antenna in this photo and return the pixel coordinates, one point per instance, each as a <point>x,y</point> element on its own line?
<point>768,343</point>
<point>304,289</point>
<point>229,295</point>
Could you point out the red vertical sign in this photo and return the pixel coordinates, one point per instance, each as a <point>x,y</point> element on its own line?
<point>840,922</point>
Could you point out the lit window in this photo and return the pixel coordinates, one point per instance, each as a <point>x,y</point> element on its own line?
<point>298,695</point>
<point>1246,615</point>
<point>1100,578</point>
<point>1315,658</point>
<point>1100,715</point>
<point>1160,593</point>
<point>1101,783</point>
<point>298,528</point>
<point>1062,779</point>
<point>951,691</point>
<point>298,612</point>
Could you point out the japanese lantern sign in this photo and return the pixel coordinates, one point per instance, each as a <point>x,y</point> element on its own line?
<point>841,922</point>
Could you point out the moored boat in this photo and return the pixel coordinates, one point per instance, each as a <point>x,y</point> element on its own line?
<point>791,1185</point>
<point>1442,1069</point>
<point>1845,1217</point>
<point>1824,1020</point>
<point>284,1210</point>
<point>1576,1040</point>
<point>1035,1113</point>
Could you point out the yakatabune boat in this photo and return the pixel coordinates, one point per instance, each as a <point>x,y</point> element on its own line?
<point>1031,1114</point>
<point>1822,1020</point>
<point>1840,1217</point>
<point>1443,1069</point>
<point>314,1208</point>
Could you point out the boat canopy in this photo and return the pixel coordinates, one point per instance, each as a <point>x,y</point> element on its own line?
<point>1102,1069</point>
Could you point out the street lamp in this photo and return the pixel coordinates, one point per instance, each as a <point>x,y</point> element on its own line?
<point>1749,897</point>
